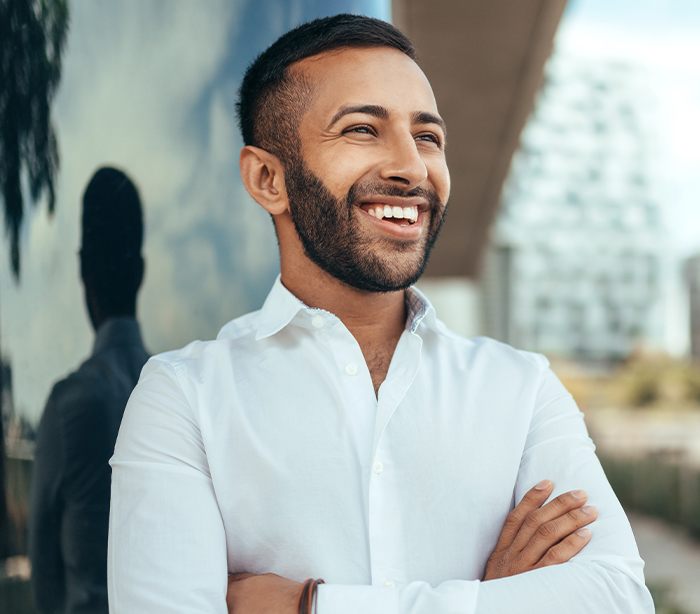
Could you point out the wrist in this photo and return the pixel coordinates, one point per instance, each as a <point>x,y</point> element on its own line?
<point>308,596</point>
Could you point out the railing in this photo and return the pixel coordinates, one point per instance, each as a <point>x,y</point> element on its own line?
<point>661,484</point>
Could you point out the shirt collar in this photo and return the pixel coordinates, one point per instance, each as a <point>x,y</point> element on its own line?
<point>123,331</point>
<point>281,307</point>
<point>419,310</point>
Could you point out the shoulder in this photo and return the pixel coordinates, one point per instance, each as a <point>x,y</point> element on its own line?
<point>72,412</point>
<point>80,388</point>
<point>200,364</point>
<point>199,353</point>
<point>242,327</point>
<point>481,350</point>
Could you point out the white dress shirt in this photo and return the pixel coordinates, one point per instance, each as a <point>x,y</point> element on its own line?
<point>267,450</point>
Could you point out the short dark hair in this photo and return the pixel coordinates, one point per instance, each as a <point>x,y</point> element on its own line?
<point>112,235</point>
<point>271,101</point>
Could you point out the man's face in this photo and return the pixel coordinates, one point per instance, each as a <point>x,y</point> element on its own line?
<point>368,193</point>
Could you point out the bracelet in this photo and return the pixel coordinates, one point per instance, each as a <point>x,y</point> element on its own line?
<point>309,595</point>
<point>314,597</point>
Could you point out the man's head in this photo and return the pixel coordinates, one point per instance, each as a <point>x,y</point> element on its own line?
<point>111,264</point>
<point>341,128</point>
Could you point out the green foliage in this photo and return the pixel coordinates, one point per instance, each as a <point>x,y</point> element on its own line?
<point>32,38</point>
<point>664,602</point>
<point>658,486</point>
<point>657,381</point>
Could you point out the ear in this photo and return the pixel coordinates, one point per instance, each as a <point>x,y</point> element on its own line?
<point>263,177</point>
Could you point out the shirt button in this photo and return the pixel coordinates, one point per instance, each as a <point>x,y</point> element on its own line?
<point>351,368</point>
<point>389,583</point>
<point>378,467</point>
<point>317,322</point>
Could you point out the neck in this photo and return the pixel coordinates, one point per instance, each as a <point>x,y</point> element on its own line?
<point>373,318</point>
<point>98,315</point>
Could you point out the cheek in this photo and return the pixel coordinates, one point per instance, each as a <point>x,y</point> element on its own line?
<point>439,176</point>
<point>340,171</point>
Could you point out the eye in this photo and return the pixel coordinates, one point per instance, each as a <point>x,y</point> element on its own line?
<point>430,138</point>
<point>361,129</point>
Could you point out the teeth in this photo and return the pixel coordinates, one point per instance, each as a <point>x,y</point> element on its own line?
<point>388,212</point>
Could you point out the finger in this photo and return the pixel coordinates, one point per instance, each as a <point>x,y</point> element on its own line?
<point>565,550</point>
<point>552,532</point>
<point>532,500</point>
<point>535,518</point>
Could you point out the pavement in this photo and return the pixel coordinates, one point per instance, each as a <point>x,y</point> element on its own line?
<point>672,559</point>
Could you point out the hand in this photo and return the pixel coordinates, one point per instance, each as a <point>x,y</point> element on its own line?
<point>261,594</point>
<point>535,536</point>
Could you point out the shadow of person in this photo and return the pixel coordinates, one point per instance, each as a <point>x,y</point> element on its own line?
<point>69,512</point>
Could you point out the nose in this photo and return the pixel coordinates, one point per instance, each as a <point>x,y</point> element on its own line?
<point>404,164</point>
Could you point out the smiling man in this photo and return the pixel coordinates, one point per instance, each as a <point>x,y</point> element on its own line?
<point>342,431</point>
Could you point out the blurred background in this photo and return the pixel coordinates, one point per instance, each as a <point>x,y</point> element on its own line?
<point>574,227</point>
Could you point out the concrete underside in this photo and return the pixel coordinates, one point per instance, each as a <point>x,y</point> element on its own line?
<point>485,60</point>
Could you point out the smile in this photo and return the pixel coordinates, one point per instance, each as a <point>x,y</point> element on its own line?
<point>404,223</point>
<point>386,212</point>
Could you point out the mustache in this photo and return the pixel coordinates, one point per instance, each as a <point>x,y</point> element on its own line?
<point>357,191</point>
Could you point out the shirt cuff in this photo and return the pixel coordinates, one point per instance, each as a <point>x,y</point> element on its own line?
<point>348,599</point>
<point>412,598</point>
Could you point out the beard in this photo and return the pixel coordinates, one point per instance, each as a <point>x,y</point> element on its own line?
<point>333,237</point>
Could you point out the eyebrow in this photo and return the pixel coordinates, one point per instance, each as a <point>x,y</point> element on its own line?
<point>380,112</point>
<point>423,117</point>
<point>368,109</point>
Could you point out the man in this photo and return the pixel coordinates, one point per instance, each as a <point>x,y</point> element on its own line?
<point>342,432</point>
<point>71,486</point>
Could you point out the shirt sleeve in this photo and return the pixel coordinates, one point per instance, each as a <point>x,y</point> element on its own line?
<point>167,546</point>
<point>46,510</point>
<point>607,576</point>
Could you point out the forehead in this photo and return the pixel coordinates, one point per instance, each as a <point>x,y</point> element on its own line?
<point>375,75</point>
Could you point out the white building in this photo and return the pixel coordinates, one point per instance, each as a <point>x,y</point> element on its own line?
<point>575,262</point>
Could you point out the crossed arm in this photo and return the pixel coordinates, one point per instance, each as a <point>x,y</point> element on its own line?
<point>539,564</point>
<point>535,535</point>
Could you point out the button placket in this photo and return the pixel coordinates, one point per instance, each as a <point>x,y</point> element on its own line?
<point>381,520</point>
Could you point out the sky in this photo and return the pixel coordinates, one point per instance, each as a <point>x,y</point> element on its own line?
<point>662,38</point>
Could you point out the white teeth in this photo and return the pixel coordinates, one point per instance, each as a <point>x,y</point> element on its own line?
<point>388,212</point>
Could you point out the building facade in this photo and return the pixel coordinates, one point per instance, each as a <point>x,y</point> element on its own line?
<point>574,265</point>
